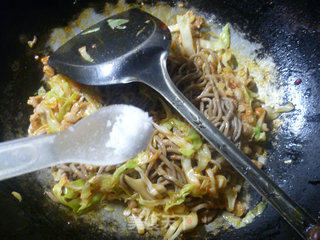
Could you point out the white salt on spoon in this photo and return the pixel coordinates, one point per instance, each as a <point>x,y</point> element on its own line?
<point>110,136</point>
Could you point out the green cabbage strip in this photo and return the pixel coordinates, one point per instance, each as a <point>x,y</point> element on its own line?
<point>192,137</point>
<point>185,34</point>
<point>203,156</point>
<point>222,43</point>
<point>80,195</point>
<point>117,23</point>
<point>56,92</point>
<point>69,194</point>
<point>184,192</point>
<point>224,37</point>
<point>249,95</point>
<point>67,106</point>
<point>257,135</point>
<point>96,198</point>
<point>53,124</point>
<point>110,181</point>
<point>76,185</point>
<point>238,222</point>
<point>59,93</point>
<point>41,91</point>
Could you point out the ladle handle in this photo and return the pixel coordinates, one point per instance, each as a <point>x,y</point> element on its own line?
<point>25,155</point>
<point>297,217</point>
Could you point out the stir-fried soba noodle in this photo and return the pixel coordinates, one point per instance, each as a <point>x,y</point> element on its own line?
<point>197,81</point>
<point>179,181</point>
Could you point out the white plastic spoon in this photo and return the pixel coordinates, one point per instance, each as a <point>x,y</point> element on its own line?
<point>110,136</point>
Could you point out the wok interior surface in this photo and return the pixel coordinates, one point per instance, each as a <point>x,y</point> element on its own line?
<point>288,30</point>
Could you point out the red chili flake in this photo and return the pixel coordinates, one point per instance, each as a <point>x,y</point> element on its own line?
<point>163,26</point>
<point>298,81</point>
<point>94,45</point>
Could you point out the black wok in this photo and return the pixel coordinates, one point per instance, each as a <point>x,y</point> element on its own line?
<point>289,32</point>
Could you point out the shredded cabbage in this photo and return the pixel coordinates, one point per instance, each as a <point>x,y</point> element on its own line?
<point>274,113</point>
<point>184,192</point>
<point>67,106</point>
<point>188,144</point>
<point>41,91</point>
<point>222,43</point>
<point>153,203</point>
<point>238,222</point>
<point>17,195</point>
<point>224,37</point>
<point>174,28</point>
<point>183,224</point>
<point>90,31</point>
<point>258,135</point>
<point>249,95</point>
<point>173,231</point>
<point>139,160</point>
<point>191,176</point>
<point>58,102</point>
<point>33,42</point>
<point>117,23</point>
<point>189,222</point>
<point>76,194</point>
<point>84,54</point>
<point>285,108</point>
<point>186,35</point>
<point>203,156</point>
<point>110,181</point>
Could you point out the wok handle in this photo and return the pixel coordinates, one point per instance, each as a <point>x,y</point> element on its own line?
<point>295,215</point>
<point>25,155</point>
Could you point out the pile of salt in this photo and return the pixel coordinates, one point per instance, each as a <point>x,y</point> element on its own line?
<point>130,132</point>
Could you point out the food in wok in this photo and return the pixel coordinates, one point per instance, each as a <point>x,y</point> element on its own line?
<point>179,181</point>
